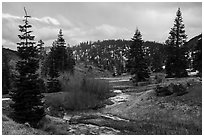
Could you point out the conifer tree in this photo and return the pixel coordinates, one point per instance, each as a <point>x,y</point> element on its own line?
<point>53,84</point>
<point>27,97</point>
<point>62,55</point>
<point>42,55</point>
<point>5,73</point>
<point>176,62</point>
<point>197,57</point>
<point>137,64</point>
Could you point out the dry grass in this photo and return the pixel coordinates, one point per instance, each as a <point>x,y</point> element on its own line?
<point>9,127</point>
<point>162,115</point>
<point>79,93</point>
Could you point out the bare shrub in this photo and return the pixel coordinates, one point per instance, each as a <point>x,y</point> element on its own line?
<point>79,93</point>
<point>159,77</point>
<point>176,89</point>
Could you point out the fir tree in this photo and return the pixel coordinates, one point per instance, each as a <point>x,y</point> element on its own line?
<point>53,84</point>
<point>42,55</point>
<point>5,72</point>
<point>27,97</point>
<point>62,56</point>
<point>70,60</point>
<point>137,64</point>
<point>176,62</point>
<point>197,57</point>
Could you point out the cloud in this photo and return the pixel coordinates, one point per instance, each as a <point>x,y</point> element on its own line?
<point>106,30</point>
<point>65,22</point>
<point>9,16</point>
<point>9,44</point>
<point>47,20</point>
<point>44,28</point>
<point>98,21</point>
<point>100,32</point>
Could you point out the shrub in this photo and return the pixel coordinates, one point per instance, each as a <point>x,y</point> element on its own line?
<point>177,89</point>
<point>79,93</point>
<point>80,101</point>
<point>5,118</point>
<point>97,87</point>
<point>48,125</point>
<point>53,85</point>
<point>159,77</point>
<point>70,82</point>
<point>163,91</point>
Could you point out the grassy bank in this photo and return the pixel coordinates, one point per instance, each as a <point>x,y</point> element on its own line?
<point>9,127</point>
<point>162,115</point>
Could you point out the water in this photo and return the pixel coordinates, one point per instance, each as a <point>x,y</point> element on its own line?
<point>119,98</point>
<point>4,99</point>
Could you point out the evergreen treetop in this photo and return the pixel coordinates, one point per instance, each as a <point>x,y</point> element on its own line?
<point>176,62</point>
<point>177,36</point>
<point>137,64</point>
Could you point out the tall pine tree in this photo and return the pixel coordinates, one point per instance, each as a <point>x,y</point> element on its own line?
<point>60,59</point>
<point>53,84</point>
<point>62,56</point>
<point>5,72</point>
<point>42,55</point>
<point>137,64</point>
<point>27,97</point>
<point>176,62</point>
<point>197,57</point>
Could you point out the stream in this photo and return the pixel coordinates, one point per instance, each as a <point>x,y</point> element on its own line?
<point>97,123</point>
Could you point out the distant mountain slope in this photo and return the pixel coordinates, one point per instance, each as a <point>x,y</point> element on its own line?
<point>12,55</point>
<point>111,54</point>
<point>193,42</point>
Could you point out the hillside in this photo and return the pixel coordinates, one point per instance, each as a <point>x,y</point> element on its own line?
<point>193,42</point>
<point>112,54</point>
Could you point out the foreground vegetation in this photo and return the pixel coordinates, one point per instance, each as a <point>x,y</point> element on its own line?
<point>9,127</point>
<point>144,113</point>
<point>78,93</point>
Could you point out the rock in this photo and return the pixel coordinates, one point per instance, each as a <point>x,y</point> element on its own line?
<point>27,124</point>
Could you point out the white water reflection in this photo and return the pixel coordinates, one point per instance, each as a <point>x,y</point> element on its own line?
<point>4,99</point>
<point>117,91</point>
<point>114,117</point>
<point>119,98</point>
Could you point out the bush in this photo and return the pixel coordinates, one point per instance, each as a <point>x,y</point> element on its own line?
<point>163,91</point>
<point>80,93</point>
<point>159,77</point>
<point>80,101</point>
<point>97,87</point>
<point>177,89</point>
<point>70,82</point>
<point>48,125</point>
<point>53,85</point>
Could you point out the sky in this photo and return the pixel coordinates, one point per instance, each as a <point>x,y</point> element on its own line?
<point>89,21</point>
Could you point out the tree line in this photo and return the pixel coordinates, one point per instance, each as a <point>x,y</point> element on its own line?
<point>110,54</point>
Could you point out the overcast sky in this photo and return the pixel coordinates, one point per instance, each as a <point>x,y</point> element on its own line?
<point>98,21</point>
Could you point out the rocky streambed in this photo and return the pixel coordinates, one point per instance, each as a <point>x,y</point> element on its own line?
<point>95,122</point>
